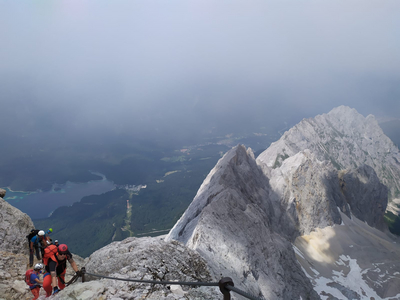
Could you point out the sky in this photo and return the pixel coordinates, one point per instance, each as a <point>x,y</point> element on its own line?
<point>174,68</point>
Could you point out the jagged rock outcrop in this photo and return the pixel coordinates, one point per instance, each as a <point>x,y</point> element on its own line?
<point>148,259</point>
<point>12,273</point>
<point>245,217</point>
<point>14,226</point>
<point>347,139</point>
<point>233,224</point>
<point>312,191</point>
<point>2,193</point>
<point>366,195</point>
<point>14,252</point>
<point>309,193</point>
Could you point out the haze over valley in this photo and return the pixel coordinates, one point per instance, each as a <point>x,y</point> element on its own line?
<point>258,140</point>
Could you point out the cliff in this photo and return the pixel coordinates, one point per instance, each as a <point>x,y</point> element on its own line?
<point>345,138</point>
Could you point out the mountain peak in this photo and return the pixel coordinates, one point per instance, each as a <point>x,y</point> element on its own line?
<point>233,222</point>
<point>346,139</point>
<point>236,165</point>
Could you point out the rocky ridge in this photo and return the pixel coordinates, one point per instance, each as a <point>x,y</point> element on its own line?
<point>346,139</point>
<point>14,226</point>
<point>233,224</point>
<point>149,259</point>
<point>14,251</point>
<point>246,215</point>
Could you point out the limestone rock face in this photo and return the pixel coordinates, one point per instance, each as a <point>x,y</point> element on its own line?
<point>234,225</point>
<point>365,194</point>
<point>245,217</point>
<point>14,226</point>
<point>313,193</point>
<point>12,273</point>
<point>346,139</point>
<point>149,259</point>
<point>309,192</point>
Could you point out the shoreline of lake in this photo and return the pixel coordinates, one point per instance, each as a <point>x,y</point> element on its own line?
<point>40,204</point>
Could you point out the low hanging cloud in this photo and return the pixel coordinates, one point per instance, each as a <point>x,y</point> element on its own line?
<point>78,67</point>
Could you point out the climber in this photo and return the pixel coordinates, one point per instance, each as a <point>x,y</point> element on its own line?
<point>33,280</point>
<point>32,234</point>
<point>56,243</point>
<point>49,231</point>
<point>55,260</point>
<point>34,245</point>
<point>45,241</point>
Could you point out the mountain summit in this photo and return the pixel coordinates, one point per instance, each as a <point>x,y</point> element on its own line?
<point>346,139</point>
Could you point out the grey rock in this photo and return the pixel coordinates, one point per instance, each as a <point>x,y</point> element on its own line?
<point>14,226</point>
<point>245,217</point>
<point>233,224</point>
<point>13,267</point>
<point>309,193</point>
<point>366,195</point>
<point>345,138</point>
<point>2,193</point>
<point>144,258</point>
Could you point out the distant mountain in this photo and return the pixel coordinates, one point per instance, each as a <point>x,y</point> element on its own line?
<point>392,129</point>
<point>346,139</point>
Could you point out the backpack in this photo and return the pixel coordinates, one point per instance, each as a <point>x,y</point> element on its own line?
<point>32,234</point>
<point>28,277</point>
<point>49,252</point>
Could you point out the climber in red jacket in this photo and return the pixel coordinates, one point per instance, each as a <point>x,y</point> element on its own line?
<point>55,260</point>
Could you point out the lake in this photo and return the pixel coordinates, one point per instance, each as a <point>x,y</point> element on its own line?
<point>40,204</point>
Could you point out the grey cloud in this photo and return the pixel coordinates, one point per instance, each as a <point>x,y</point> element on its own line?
<point>137,65</point>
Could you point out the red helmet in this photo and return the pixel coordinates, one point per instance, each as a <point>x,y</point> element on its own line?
<point>62,248</point>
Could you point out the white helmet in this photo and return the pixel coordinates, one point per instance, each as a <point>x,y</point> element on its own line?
<point>38,266</point>
<point>41,233</point>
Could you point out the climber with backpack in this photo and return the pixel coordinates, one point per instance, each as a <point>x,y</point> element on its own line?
<point>36,245</point>
<point>32,234</point>
<point>33,281</point>
<point>33,247</point>
<point>45,241</point>
<point>55,260</point>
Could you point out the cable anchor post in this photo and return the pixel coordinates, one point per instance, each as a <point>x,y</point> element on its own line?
<point>83,271</point>
<point>222,287</point>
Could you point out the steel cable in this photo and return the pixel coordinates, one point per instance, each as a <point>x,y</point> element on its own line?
<point>158,281</point>
<point>227,286</point>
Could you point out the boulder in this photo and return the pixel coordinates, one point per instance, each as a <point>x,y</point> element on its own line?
<point>14,227</point>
